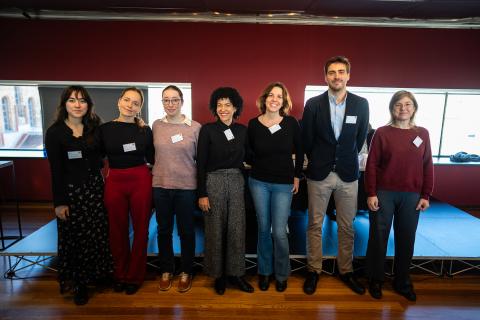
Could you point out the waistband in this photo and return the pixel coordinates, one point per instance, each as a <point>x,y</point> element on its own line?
<point>141,170</point>
<point>226,171</point>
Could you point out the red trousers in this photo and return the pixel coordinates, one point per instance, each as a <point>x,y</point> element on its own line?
<point>128,192</point>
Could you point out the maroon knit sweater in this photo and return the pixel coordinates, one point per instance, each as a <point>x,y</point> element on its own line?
<point>400,160</point>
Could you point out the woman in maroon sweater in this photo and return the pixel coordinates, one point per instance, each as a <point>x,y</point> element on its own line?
<point>398,181</point>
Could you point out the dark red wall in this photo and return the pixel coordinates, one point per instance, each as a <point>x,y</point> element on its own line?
<point>246,56</point>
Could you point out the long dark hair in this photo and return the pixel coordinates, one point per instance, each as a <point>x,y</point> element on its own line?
<point>90,120</point>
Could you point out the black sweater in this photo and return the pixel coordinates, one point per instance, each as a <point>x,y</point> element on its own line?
<point>271,154</point>
<point>215,151</point>
<point>71,160</point>
<point>118,139</point>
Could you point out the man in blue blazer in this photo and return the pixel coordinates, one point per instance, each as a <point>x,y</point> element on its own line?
<point>334,128</point>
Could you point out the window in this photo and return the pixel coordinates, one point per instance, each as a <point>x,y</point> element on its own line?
<point>455,110</point>
<point>29,108</point>
<point>18,134</point>
<point>31,113</point>
<point>7,127</point>
<point>461,131</point>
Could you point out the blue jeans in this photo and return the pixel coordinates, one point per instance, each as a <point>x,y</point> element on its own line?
<point>272,203</point>
<point>170,202</point>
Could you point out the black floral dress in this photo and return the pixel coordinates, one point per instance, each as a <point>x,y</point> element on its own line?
<point>83,243</point>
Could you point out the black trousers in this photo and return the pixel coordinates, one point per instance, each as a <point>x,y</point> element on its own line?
<point>179,203</point>
<point>399,207</point>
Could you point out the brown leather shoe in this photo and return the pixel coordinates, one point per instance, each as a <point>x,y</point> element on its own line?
<point>165,282</point>
<point>184,282</point>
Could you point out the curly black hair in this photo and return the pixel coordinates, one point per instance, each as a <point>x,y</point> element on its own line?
<point>226,93</point>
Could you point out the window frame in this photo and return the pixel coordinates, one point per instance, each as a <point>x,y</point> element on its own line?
<point>313,90</point>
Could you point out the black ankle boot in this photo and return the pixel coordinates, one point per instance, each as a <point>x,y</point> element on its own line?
<point>263,282</point>
<point>220,284</point>
<point>375,289</point>
<point>241,284</point>
<point>80,294</point>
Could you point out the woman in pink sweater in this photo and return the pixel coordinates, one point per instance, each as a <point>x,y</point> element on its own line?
<point>174,187</point>
<point>398,182</point>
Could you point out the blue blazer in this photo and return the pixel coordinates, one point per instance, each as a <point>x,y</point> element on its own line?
<point>323,150</point>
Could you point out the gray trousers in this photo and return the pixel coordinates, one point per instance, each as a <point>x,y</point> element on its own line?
<point>225,224</point>
<point>345,195</point>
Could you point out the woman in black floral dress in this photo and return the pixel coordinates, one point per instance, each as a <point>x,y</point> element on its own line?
<point>77,184</point>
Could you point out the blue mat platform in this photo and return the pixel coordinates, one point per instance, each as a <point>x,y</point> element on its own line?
<point>444,233</point>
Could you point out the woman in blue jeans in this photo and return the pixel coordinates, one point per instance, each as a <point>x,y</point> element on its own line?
<point>273,137</point>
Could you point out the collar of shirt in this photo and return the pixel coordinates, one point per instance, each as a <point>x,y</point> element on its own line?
<point>223,126</point>
<point>186,120</point>
<point>333,99</point>
<point>337,113</point>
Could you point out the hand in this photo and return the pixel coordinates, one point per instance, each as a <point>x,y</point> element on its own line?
<point>423,204</point>
<point>204,204</point>
<point>62,212</point>
<point>296,185</point>
<point>141,123</point>
<point>372,203</point>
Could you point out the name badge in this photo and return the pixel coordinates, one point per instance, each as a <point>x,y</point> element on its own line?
<point>418,141</point>
<point>177,138</point>
<point>127,147</point>
<point>274,128</point>
<point>74,155</point>
<point>351,119</point>
<point>229,135</point>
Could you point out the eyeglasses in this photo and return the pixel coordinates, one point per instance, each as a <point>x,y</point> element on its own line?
<point>174,101</point>
<point>406,105</point>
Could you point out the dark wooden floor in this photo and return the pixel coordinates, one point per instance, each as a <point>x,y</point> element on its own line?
<point>37,296</point>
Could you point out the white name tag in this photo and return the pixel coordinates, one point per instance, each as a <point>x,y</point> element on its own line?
<point>351,119</point>
<point>418,141</point>
<point>229,134</point>
<point>74,155</point>
<point>177,138</point>
<point>127,147</point>
<point>274,128</point>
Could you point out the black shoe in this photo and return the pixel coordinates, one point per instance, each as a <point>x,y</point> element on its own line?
<point>131,288</point>
<point>263,282</point>
<point>281,285</point>
<point>220,285</point>
<point>375,289</point>
<point>80,296</point>
<point>118,286</point>
<point>241,284</point>
<point>352,282</point>
<point>310,284</point>
<point>407,292</point>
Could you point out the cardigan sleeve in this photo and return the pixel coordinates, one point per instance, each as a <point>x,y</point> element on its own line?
<point>57,166</point>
